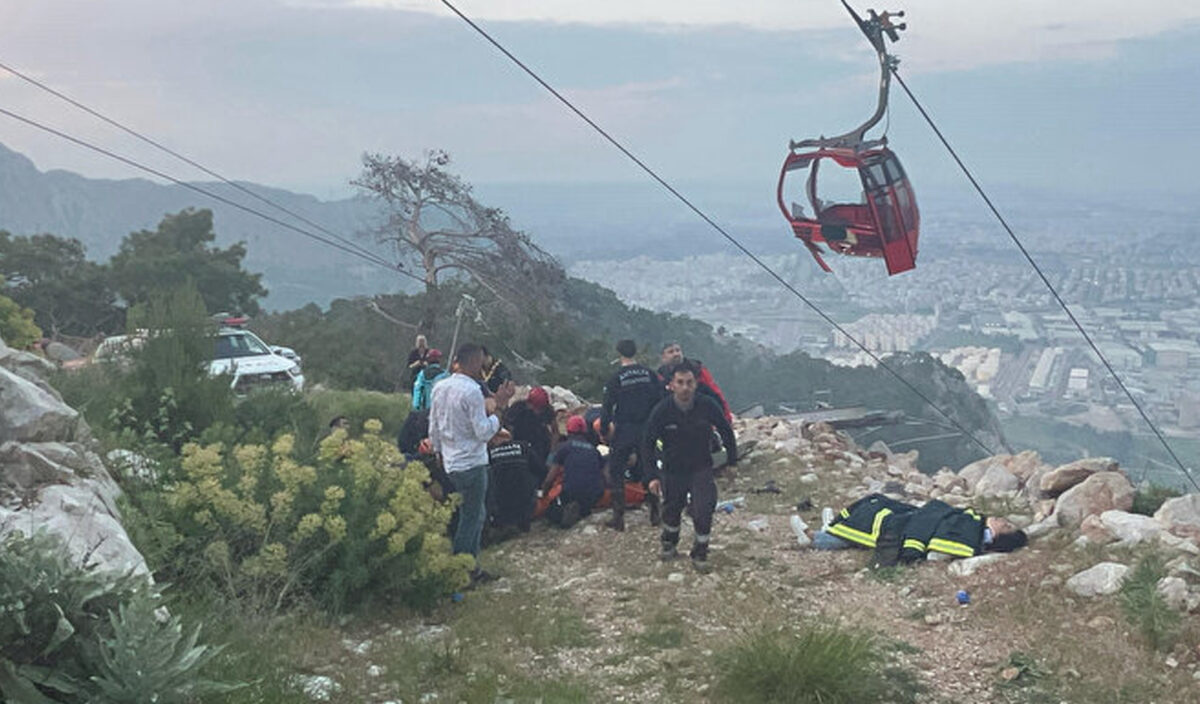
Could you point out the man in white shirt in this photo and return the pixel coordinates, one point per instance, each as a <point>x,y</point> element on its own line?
<point>461,422</point>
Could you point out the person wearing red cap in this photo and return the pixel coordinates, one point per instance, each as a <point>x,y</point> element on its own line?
<point>581,467</point>
<point>530,422</point>
<point>431,374</point>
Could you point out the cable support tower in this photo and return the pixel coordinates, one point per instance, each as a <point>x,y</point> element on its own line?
<point>1045,279</point>
<point>711,223</point>
<point>210,194</point>
<point>191,162</point>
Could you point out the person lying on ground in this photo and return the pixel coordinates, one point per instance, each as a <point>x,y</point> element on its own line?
<point>581,468</point>
<point>904,533</point>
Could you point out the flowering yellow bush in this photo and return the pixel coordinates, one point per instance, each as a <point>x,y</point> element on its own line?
<point>359,523</point>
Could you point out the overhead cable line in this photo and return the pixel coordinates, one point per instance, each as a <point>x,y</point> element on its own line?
<point>191,162</point>
<point>1045,280</point>
<point>203,191</point>
<point>712,223</point>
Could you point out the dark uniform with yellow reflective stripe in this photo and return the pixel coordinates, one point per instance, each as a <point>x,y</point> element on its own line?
<point>876,521</point>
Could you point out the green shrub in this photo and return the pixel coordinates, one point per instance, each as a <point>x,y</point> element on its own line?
<point>268,529</point>
<point>162,393</point>
<point>169,395</point>
<point>17,328</point>
<point>360,406</point>
<point>1144,606</point>
<point>69,634</point>
<point>817,664</point>
<point>265,414</point>
<point>1150,497</point>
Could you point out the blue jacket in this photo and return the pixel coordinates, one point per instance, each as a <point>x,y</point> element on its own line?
<point>423,386</point>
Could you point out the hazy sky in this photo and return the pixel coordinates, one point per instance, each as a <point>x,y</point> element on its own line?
<point>1098,95</point>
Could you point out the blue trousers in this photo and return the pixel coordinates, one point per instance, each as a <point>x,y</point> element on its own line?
<point>828,541</point>
<point>471,484</point>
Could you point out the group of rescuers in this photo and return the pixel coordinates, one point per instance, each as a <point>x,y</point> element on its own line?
<point>661,429</point>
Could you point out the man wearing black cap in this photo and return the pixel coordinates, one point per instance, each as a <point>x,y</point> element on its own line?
<point>629,396</point>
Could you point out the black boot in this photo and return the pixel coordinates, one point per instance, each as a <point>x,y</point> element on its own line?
<point>699,555</point>
<point>617,522</point>
<point>670,541</point>
<point>655,512</point>
<point>570,515</point>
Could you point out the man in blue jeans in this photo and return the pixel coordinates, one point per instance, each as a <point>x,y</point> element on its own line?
<point>461,422</point>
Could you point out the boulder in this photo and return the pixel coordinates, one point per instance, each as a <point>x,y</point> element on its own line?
<point>1180,515</point>
<point>1023,465</point>
<point>944,480</point>
<point>1031,490</point>
<point>1177,544</point>
<point>1130,528</point>
<point>905,461</point>
<point>82,515</point>
<point>1042,528</point>
<point>1174,591</point>
<point>1062,478</point>
<point>29,413</point>
<point>996,481</point>
<point>26,467</point>
<point>972,473</point>
<point>1100,492</point>
<point>1093,529</point>
<point>58,352</point>
<point>813,431</point>
<point>563,399</point>
<point>1101,580</point>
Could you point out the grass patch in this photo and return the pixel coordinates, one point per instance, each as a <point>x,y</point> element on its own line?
<point>664,631</point>
<point>262,651</point>
<point>544,627</point>
<point>1150,497</point>
<point>824,664</point>
<point>891,575</point>
<point>1144,606</point>
<point>1025,680</point>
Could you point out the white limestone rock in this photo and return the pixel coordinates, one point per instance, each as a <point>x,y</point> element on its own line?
<point>1100,580</point>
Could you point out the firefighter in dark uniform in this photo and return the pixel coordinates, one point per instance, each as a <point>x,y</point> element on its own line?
<point>629,396</point>
<point>684,422</point>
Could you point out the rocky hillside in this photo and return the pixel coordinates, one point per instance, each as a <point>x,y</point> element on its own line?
<point>591,615</point>
<point>587,614</point>
<point>51,478</point>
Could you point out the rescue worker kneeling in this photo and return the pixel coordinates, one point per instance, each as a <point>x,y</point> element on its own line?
<point>904,533</point>
<point>580,467</point>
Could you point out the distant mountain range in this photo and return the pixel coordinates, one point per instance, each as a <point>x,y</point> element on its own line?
<point>572,220</point>
<point>99,212</point>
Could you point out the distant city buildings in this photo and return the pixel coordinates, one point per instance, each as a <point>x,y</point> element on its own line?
<point>981,311</point>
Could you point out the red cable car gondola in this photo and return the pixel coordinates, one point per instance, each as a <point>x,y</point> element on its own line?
<point>885,221</point>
